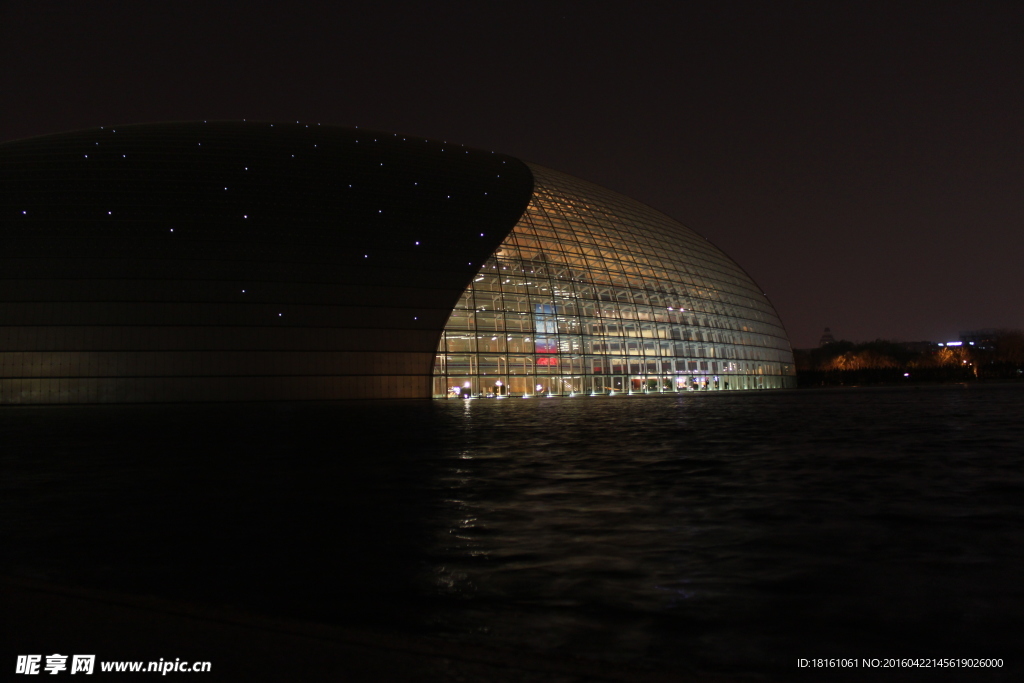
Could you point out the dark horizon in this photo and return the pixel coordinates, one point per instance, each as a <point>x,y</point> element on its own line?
<point>862,162</point>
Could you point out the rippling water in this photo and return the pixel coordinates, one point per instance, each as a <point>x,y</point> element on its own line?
<point>725,533</point>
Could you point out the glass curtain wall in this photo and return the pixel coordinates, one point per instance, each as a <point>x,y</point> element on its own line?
<point>593,293</point>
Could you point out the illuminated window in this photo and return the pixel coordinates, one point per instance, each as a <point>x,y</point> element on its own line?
<point>578,296</point>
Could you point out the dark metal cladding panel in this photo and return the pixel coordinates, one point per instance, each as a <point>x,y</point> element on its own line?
<point>238,261</point>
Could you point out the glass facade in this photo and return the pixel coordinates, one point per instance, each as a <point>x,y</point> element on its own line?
<point>594,293</point>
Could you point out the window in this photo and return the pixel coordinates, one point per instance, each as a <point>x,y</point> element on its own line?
<point>586,270</point>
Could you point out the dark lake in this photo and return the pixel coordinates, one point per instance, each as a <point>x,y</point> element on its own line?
<point>730,533</point>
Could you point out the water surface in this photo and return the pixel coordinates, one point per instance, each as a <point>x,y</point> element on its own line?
<point>730,533</point>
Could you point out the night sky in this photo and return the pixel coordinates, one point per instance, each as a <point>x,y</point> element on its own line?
<point>863,162</point>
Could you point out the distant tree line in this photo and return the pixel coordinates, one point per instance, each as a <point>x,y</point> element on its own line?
<point>884,361</point>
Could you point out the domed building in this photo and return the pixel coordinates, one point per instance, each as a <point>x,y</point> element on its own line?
<point>235,261</point>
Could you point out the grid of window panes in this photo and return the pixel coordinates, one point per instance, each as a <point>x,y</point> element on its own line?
<point>594,293</point>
